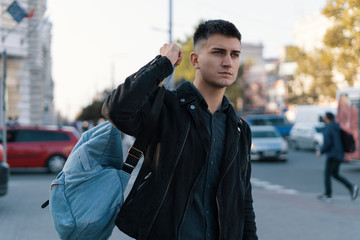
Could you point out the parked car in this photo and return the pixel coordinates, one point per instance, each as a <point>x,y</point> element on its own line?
<point>4,173</point>
<point>307,136</point>
<point>280,122</point>
<point>267,143</point>
<point>40,146</point>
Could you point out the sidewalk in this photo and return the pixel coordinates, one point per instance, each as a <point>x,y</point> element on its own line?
<point>302,216</point>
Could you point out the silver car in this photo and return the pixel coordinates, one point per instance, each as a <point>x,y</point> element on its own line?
<point>268,144</point>
<point>307,136</point>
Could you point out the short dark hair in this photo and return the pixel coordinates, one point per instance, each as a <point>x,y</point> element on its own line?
<point>210,27</point>
<point>329,116</point>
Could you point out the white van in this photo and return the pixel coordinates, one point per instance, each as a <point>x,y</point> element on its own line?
<point>312,113</point>
<point>305,135</point>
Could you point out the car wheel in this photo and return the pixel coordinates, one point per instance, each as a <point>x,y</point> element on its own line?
<point>56,163</point>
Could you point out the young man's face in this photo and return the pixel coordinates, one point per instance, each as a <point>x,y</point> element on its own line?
<point>218,60</point>
<point>326,120</point>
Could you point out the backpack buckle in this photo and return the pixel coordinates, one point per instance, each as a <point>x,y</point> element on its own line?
<point>136,153</point>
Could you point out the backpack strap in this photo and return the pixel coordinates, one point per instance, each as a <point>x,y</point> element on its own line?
<point>138,148</point>
<point>136,151</point>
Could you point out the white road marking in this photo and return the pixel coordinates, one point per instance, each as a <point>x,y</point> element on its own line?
<point>272,187</point>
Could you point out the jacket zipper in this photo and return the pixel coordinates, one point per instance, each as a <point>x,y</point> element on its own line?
<point>242,169</point>
<point>217,199</point>
<point>168,185</point>
<point>187,202</point>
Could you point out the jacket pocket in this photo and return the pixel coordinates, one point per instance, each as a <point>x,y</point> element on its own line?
<point>138,189</point>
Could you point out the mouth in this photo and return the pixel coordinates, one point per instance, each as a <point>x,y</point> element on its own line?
<point>225,73</point>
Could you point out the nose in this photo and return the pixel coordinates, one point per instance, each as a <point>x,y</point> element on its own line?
<point>227,61</point>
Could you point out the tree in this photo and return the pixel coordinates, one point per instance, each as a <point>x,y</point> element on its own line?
<point>185,71</point>
<point>92,112</point>
<point>235,92</point>
<point>315,70</point>
<point>343,38</point>
<point>340,54</point>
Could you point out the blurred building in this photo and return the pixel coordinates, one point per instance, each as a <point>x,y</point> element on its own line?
<point>29,84</point>
<point>276,87</point>
<point>255,87</point>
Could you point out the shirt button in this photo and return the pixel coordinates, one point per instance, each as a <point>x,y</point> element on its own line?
<point>192,107</point>
<point>182,100</point>
<point>239,129</point>
<point>213,139</point>
<point>212,162</point>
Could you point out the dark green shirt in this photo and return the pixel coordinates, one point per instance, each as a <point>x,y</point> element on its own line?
<point>201,219</point>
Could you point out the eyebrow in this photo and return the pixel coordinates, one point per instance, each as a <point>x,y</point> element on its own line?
<point>222,49</point>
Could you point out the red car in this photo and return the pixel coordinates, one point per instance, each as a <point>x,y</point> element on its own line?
<point>40,146</point>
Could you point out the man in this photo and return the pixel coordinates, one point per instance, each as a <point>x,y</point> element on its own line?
<point>194,183</point>
<point>334,156</point>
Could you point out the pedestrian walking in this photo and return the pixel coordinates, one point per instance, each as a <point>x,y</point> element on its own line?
<point>194,183</point>
<point>334,151</point>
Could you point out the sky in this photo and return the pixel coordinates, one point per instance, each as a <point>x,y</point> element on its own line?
<point>96,44</point>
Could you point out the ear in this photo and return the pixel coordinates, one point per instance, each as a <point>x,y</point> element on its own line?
<point>194,57</point>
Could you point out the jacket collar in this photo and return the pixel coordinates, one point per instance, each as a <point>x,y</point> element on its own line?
<point>188,94</point>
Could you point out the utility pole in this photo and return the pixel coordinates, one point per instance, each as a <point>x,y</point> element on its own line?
<point>170,21</point>
<point>3,107</point>
<point>172,82</point>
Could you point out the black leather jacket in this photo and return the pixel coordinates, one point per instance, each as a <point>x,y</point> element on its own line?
<point>175,157</point>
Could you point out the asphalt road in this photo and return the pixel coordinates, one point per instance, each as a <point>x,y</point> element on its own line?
<point>284,199</point>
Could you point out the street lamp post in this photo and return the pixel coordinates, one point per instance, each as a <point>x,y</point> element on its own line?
<point>3,107</point>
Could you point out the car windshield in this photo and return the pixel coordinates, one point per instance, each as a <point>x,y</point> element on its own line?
<point>277,121</point>
<point>273,121</point>
<point>319,129</point>
<point>265,134</point>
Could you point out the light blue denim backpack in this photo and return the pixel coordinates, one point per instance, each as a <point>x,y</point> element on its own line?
<point>87,194</point>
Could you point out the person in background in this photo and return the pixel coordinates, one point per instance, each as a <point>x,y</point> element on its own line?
<point>10,122</point>
<point>334,151</point>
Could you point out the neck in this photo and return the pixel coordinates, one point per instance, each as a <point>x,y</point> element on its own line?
<point>213,96</point>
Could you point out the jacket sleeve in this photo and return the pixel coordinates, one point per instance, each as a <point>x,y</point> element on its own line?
<point>250,225</point>
<point>327,145</point>
<point>127,105</point>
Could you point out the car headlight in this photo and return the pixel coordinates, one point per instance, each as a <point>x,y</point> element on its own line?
<point>284,146</point>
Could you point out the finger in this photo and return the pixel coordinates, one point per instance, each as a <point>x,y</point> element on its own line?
<point>180,57</point>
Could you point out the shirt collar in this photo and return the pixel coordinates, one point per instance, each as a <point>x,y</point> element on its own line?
<point>225,104</point>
